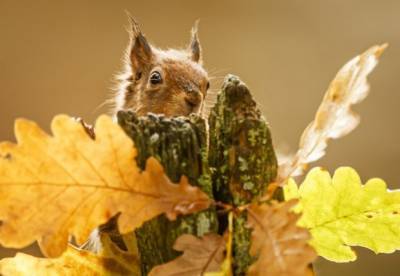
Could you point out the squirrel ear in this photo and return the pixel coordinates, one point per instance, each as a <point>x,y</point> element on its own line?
<point>140,50</point>
<point>195,47</point>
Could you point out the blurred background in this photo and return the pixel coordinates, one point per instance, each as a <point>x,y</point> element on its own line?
<point>60,57</point>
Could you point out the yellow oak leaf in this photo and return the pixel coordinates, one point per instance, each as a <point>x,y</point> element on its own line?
<point>334,117</point>
<point>341,212</point>
<point>75,262</point>
<point>280,246</point>
<point>68,184</point>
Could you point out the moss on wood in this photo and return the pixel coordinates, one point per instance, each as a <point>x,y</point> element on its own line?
<point>180,145</point>
<point>241,156</point>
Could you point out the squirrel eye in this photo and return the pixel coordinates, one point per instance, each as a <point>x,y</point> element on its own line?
<point>155,78</point>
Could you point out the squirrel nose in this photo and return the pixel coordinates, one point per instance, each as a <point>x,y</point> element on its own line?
<point>193,98</point>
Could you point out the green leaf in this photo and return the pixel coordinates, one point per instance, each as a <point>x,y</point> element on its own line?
<point>341,212</point>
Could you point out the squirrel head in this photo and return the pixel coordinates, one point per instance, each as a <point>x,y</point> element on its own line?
<point>169,82</point>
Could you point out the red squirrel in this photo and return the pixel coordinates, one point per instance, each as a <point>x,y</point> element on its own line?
<point>170,82</point>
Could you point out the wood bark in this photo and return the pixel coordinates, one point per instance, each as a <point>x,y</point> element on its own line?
<point>234,167</point>
<point>180,145</point>
<point>242,158</point>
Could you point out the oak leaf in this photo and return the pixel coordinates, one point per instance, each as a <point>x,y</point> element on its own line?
<point>75,262</point>
<point>68,184</point>
<point>200,255</point>
<point>341,212</point>
<point>226,266</point>
<point>280,246</point>
<point>334,117</point>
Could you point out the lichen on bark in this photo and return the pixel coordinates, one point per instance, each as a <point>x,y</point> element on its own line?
<point>180,145</point>
<point>242,158</point>
<point>235,168</point>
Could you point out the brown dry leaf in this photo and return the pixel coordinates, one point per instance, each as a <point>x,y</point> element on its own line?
<point>75,262</point>
<point>200,255</point>
<point>54,186</point>
<point>334,117</point>
<point>280,246</point>
<point>226,266</point>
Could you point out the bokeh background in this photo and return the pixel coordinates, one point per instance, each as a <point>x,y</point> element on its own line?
<point>60,57</point>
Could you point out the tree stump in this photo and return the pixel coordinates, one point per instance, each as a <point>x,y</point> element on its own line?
<point>242,158</point>
<point>235,168</point>
<point>180,144</point>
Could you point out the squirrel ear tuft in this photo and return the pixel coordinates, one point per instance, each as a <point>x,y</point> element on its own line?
<point>194,46</point>
<point>140,50</point>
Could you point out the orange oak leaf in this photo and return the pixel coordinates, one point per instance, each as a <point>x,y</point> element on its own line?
<point>280,246</point>
<point>75,262</point>
<point>68,184</point>
<point>334,117</point>
<point>200,255</point>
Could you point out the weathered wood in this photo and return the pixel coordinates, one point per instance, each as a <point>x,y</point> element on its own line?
<point>242,158</point>
<point>180,145</point>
